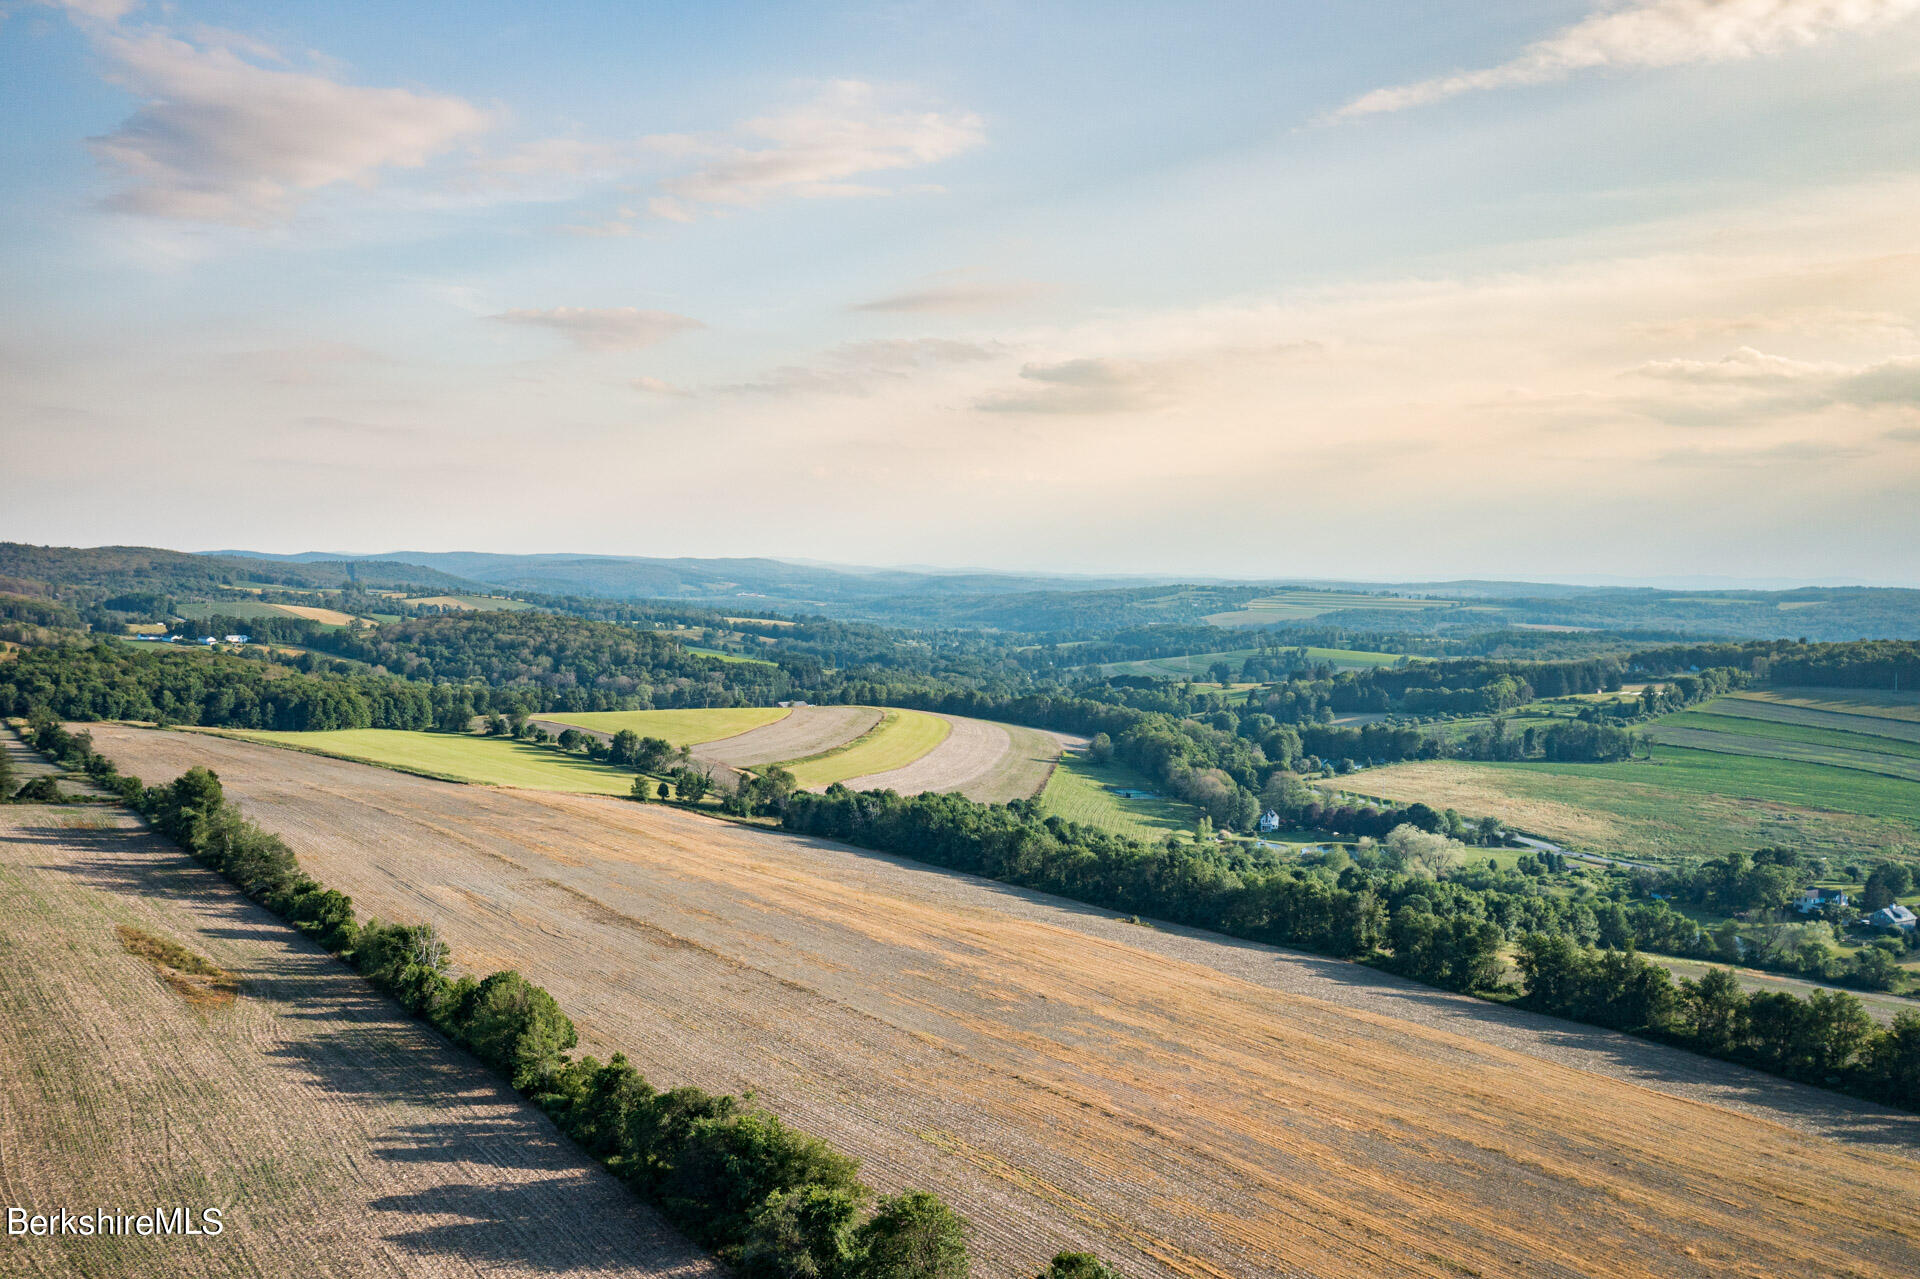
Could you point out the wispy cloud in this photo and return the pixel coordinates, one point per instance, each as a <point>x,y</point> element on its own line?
<point>856,368</point>
<point>1651,33</point>
<point>620,328</point>
<point>224,139</point>
<point>954,298</point>
<point>820,150</point>
<point>1086,385</point>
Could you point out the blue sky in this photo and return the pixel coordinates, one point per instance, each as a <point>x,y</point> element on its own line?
<point>1391,290</point>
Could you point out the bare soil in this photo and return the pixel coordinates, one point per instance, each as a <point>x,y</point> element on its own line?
<point>1181,1103</point>
<point>338,1136</point>
<point>809,730</point>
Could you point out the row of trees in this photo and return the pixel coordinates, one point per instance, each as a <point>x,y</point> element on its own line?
<point>770,1200</point>
<point>1827,1038</point>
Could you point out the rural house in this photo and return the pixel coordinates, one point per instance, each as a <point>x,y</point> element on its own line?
<point>1894,916</point>
<point>1269,821</point>
<point>1815,898</point>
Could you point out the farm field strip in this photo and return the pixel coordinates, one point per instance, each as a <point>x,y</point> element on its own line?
<point>1196,665</point>
<point>808,730</point>
<point>1182,1104</point>
<point>984,761</point>
<point>1761,710</point>
<point>1683,802</point>
<point>485,761</point>
<point>338,1135</point>
<point>677,727</point>
<point>1883,703</point>
<point>901,737</point>
<point>1767,747</point>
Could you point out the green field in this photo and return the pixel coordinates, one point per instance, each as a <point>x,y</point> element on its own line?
<point>1879,703</point>
<point>489,761</point>
<point>1824,715</point>
<point>727,657</point>
<point>896,741</point>
<point>1195,666</point>
<point>1288,606</point>
<point>1078,791</point>
<point>680,728</point>
<point>1834,747</point>
<point>1681,802</point>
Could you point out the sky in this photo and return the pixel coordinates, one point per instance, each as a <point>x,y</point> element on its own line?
<point>1396,291</point>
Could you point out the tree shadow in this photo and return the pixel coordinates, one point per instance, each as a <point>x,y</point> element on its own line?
<point>516,1224</point>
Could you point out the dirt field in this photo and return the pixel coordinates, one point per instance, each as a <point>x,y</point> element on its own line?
<point>1183,1104</point>
<point>1025,769</point>
<point>976,758</point>
<point>807,731</point>
<point>338,1136</point>
<point>331,616</point>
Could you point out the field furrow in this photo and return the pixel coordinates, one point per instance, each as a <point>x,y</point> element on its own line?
<point>338,1136</point>
<point>808,730</point>
<point>1183,1104</point>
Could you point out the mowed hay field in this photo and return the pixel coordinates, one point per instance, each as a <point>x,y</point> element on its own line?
<point>485,761</point>
<point>1182,1104</point>
<point>677,727</point>
<point>338,1136</point>
<point>898,739</point>
<point>1681,802</point>
<point>1082,791</point>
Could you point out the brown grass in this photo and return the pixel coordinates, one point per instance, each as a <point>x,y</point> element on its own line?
<point>1182,1104</point>
<point>196,979</point>
<point>338,1136</point>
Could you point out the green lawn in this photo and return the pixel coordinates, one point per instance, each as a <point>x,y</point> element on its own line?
<point>1078,791</point>
<point>896,741</point>
<point>682,727</point>
<point>727,657</point>
<point>489,761</point>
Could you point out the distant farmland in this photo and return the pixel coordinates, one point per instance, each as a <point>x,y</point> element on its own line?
<point>337,1135</point>
<point>1195,665</point>
<point>1183,1105</point>
<point>488,761</point>
<point>1289,606</point>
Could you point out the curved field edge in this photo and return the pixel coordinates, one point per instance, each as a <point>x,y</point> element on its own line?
<point>1200,1106</point>
<point>900,737</point>
<point>338,1135</point>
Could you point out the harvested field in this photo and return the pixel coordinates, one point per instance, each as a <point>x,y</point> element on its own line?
<point>1883,703</point>
<point>808,730</point>
<point>897,740</point>
<point>338,1136</point>
<point>988,762</point>
<point>1762,747</point>
<point>1183,1104</point>
<point>331,616</point>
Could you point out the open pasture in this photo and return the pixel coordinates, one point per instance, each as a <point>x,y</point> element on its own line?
<point>486,761</point>
<point>1682,802</point>
<point>1805,713</point>
<point>1082,791</point>
<point>1743,735</point>
<point>984,761</point>
<point>167,1044</point>
<point>1184,1105</point>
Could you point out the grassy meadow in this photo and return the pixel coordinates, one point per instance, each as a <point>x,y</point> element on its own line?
<point>487,761</point>
<point>1078,792</point>
<point>1288,606</point>
<point>1195,666</point>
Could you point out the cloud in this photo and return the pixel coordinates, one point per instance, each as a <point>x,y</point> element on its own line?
<point>222,139</point>
<point>1904,435</point>
<point>1750,385</point>
<point>620,328</point>
<point>815,151</point>
<point>654,386</point>
<point>954,298</point>
<point>1743,365</point>
<point>1083,386</point>
<point>1651,33</point>
<point>97,10</point>
<point>855,368</point>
